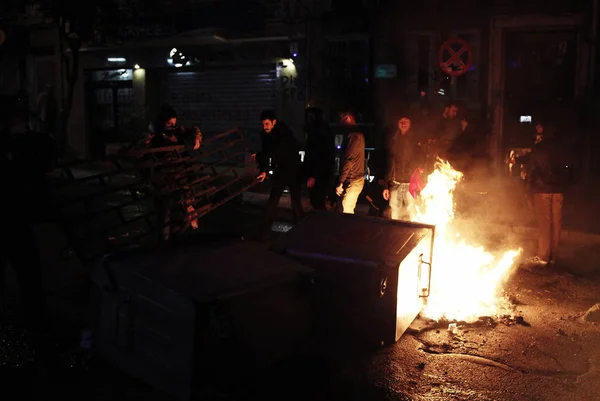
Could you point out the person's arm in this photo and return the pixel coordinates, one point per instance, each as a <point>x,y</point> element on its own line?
<point>151,134</point>
<point>532,169</point>
<point>198,137</point>
<point>264,154</point>
<point>390,163</point>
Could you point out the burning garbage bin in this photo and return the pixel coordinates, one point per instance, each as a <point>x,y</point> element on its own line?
<point>186,317</point>
<point>372,275</point>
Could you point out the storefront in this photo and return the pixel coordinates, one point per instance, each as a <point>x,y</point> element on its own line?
<point>219,98</point>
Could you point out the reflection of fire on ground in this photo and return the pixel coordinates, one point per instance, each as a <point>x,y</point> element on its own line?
<point>466,279</point>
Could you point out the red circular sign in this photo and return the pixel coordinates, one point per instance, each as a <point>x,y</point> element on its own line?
<point>451,54</point>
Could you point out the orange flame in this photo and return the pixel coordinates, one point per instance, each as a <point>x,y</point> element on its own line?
<point>466,280</point>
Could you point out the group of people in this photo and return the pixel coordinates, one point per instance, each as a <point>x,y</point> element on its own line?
<point>409,152</point>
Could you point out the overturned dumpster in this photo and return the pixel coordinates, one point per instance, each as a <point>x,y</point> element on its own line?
<point>372,275</point>
<point>186,317</point>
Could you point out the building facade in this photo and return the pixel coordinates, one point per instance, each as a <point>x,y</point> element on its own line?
<point>220,62</point>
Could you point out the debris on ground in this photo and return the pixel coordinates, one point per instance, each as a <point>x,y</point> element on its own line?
<point>592,314</point>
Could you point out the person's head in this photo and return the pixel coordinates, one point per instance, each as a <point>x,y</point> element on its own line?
<point>313,115</point>
<point>450,111</point>
<point>167,117</point>
<point>347,119</point>
<point>268,120</point>
<point>539,133</point>
<point>539,128</point>
<point>404,125</point>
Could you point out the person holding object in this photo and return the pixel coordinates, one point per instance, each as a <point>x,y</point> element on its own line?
<point>405,165</point>
<point>352,171</point>
<point>549,176</point>
<point>279,154</point>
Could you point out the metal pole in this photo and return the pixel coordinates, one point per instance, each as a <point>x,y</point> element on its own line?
<point>590,95</point>
<point>594,47</point>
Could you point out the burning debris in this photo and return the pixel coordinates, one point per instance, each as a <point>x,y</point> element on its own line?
<point>466,280</point>
<point>422,325</point>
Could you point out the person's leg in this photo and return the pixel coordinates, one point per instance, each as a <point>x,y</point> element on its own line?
<point>350,196</point>
<point>557,212</point>
<point>28,270</point>
<point>410,204</point>
<point>296,195</point>
<point>318,194</point>
<point>396,205</point>
<point>277,187</point>
<point>543,208</point>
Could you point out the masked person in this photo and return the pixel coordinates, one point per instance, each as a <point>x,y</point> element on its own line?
<point>281,154</point>
<point>352,166</point>
<point>405,163</point>
<point>164,132</point>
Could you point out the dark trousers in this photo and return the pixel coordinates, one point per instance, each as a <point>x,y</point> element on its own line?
<point>21,250</point>
<point>277,187</point>
<point>548,209</point>
<point>318,193</point>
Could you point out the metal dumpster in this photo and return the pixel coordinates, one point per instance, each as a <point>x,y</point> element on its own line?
<point>371,274</point>
<point>185,316</point>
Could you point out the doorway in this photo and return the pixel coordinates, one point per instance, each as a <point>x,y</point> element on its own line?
<point>540,86</point>
<point>502,28</point>
<point>111,108</point>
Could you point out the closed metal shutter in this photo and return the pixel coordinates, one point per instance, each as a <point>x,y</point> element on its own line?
<point>221,99</point>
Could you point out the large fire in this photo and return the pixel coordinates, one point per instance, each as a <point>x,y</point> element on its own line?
<point>466,280</point>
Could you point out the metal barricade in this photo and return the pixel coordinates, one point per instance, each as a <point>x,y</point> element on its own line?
<point>147,195</point>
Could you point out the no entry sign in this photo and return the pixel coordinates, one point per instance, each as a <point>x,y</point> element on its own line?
<point>455,57</point>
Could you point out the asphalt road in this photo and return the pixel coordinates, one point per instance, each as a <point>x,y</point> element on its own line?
<point>553,353</point>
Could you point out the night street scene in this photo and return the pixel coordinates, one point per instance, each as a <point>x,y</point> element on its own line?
<point>300,200</point>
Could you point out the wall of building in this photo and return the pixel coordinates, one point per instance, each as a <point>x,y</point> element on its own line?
<point>401,33</point>
<point>291,94</point>
<point>409,40</point>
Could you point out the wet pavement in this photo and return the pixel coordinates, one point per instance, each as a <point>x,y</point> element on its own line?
<point>552,352</point>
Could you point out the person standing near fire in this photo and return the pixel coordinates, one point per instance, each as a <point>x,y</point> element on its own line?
<point>405,165</point>
<point>320,158</point>
<point>449,127</point>
<point>280,154</point>
<point>352,165</point>
<point>549,176</point>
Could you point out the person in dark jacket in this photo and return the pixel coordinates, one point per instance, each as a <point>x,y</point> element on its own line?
<point>320,158</point>
<point>374,193</point>
<point>405,156</point>
<point>23,174</point>
<point>352,166</point>
<point>550,174</point>
<point>280,147</point>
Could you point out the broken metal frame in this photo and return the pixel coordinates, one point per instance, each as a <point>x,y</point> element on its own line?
<point>198,185</point>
